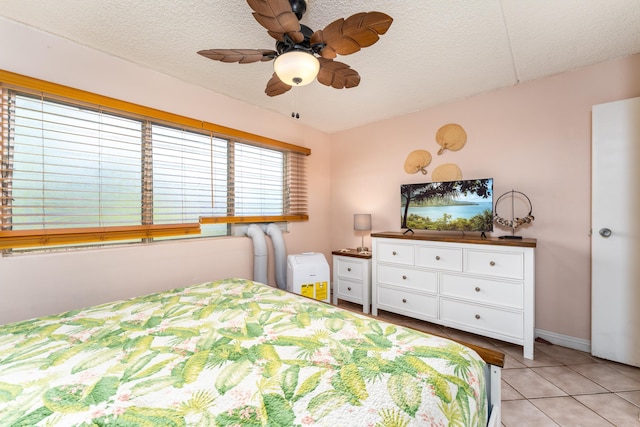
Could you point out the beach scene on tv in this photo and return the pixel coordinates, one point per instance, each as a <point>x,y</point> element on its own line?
<point>464,205</point>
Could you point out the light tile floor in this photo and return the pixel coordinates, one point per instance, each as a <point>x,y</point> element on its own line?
<point>560,387</point>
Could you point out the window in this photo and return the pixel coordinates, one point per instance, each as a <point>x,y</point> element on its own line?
<point>189,175</point>
<point>70,167</point>
<point>77,172</point>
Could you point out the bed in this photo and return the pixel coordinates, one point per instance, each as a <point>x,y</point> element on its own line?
<point>237,353</point>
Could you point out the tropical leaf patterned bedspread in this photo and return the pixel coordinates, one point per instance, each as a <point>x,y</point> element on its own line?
<point>232,353</point>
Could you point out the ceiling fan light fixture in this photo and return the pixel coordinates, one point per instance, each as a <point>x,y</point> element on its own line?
<point>296,68</point>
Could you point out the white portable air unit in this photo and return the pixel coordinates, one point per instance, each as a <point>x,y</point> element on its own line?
<point>308,275</point>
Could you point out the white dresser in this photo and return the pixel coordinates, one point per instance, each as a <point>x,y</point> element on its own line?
<point>483,286</point>
<point>352,277</point>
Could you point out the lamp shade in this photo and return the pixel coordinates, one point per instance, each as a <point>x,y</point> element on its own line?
<point>296,68</point>
<point>362,221</point>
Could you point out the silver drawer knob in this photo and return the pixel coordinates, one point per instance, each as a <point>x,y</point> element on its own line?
<point>605,232</point>
<point>349,288</point>
<point>477,289</point>
<point>404,301</point>
<point>492,263</point>
<point>404,277</point>
<point>437,257</point>
<point>349,269</point>
<point>394,253</point>
<point>477,316</point>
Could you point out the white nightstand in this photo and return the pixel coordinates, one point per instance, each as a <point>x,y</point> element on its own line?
<point>352,277</point>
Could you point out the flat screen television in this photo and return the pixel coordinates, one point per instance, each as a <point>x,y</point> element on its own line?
<point>463,205</point>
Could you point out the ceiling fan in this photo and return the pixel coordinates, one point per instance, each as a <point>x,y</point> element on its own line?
<point>300,53</point>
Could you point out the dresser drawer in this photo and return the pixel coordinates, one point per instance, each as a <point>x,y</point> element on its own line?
<point>438,257</point>
<point>420,280</point>
<point>349,269</point>
<point>404,302</point>
<point>483,318</point>
<point>350,290</point>
<point>493,263</point>
<point>506,294</point>
<point>395,253</point>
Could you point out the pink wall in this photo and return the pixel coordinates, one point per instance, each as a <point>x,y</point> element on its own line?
<point>534,138</point>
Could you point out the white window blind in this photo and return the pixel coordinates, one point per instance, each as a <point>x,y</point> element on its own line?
<point>258,179</point>
<point>189,175</point>
<point>71,167</point>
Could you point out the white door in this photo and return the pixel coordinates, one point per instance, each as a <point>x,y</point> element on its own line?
<point>615,240</point>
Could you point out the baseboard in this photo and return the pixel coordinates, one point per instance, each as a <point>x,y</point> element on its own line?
<point>564,340</point>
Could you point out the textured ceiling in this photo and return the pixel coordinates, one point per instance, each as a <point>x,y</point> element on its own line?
<point>436,51</point>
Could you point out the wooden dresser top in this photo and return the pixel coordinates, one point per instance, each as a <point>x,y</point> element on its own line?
<point>446,237</point>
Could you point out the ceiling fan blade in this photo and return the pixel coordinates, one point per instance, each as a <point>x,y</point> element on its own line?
<point>278,18</point>
<point>344,37</point>
<point>337,74</point>
<point>276,87</point>
<point>242,56</point>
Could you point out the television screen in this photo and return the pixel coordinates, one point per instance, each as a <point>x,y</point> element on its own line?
<point>464,205</point>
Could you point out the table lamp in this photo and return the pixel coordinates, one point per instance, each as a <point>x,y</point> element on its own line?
<point>362,222</point>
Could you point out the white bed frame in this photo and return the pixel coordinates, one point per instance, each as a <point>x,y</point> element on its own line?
<point>494,388</point>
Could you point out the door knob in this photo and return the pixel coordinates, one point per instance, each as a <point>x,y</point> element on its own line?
<point>605,232</point>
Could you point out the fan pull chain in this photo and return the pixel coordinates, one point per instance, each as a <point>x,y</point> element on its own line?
<point>295,104</point>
